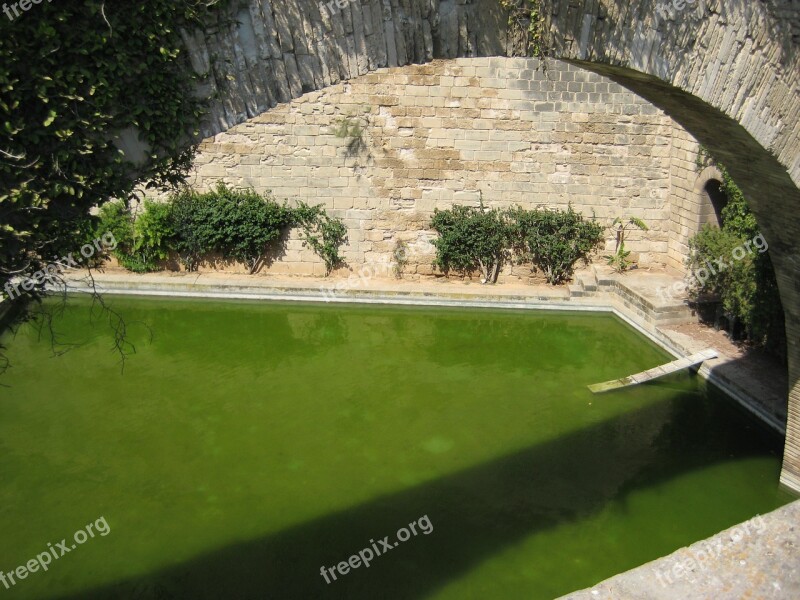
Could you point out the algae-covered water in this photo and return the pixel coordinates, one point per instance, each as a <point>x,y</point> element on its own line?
<point>246,446</point>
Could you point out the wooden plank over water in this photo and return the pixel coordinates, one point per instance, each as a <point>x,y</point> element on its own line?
<point>655,373</point>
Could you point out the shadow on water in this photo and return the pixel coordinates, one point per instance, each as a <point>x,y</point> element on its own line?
<point>475,513</point>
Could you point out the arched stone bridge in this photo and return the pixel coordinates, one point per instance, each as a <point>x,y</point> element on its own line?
<point>727,70</point>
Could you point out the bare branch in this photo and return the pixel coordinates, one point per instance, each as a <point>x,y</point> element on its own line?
<point>103,12</point>
<point>45,318</point>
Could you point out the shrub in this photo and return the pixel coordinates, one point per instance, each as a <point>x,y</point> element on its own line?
<point>140,243</point>
<point>747,288</point>
<point>735,284</point>
<point>554,240</point>
<point>240,225</point>
<point>245,224</point>
<point>476,238</point>
<point>470,239</point>
<point>193,227</point>
<point>154,232</point>
<point>115,217</point>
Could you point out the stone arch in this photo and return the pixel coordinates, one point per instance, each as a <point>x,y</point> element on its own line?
<point>727,70</point>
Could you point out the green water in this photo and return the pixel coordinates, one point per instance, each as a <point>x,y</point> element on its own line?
<point>246,445</point>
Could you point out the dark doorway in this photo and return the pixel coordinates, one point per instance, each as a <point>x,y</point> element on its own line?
<point>715,201</point>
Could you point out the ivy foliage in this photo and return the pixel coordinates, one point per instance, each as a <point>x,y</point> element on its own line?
<point>473,239</point>
<point>526,19</point>
<point>746,286</point>
<point>236,225</point>
<point>75,78</point>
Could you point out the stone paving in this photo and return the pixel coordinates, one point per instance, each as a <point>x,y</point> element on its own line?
<point>756,559</point>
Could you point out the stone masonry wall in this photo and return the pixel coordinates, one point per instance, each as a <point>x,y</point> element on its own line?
<point>452,132</point>
<point>685,198</point>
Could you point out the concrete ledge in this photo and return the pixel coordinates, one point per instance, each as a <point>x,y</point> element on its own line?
<point>630,297</point>
<point>759,558</point>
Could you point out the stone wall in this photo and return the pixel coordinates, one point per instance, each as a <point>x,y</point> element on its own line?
<point>685,199</point>
<point>270,51</point>
<point>727,70</point>
<point>507,130</point>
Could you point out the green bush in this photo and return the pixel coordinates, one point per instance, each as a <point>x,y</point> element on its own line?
<point>735,284</point>
<point>193,227</point>
<point>245,224</point>
<point>140,243</point>
<point>746,287</point>
<point>471,239</point>
<point>239,225</point>
<point>117,219</point>
<point>114,217</point>
<point>154,231</point>
<point>476,238</point>
<point>554,240</point>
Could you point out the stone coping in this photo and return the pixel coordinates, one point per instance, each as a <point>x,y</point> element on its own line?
<point>759,558</point>
<point>631,297</point>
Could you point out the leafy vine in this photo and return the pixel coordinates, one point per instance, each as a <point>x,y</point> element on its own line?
<point>526,20</point>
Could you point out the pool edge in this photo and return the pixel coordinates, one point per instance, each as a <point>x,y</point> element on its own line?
<point>623,302</point>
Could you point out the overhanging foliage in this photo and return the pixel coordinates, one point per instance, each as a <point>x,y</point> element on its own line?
<point>75,77</point>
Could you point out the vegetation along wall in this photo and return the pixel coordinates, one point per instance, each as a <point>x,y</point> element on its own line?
<point>385,149</point>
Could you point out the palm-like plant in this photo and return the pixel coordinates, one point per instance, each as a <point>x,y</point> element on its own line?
<point>619,260</point>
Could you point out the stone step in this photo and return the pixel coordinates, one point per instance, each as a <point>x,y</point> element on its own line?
<point>588,280</point>
<point>576,290</point>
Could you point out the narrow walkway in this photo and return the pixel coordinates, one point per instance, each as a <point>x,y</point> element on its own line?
<point>656,372</point>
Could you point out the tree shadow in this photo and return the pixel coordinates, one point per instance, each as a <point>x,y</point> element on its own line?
<point>476,513</point>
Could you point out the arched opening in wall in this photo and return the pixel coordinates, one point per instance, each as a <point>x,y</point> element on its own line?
<point>714,200</point>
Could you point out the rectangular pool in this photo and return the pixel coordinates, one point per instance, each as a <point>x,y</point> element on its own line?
<point>246,447</point>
